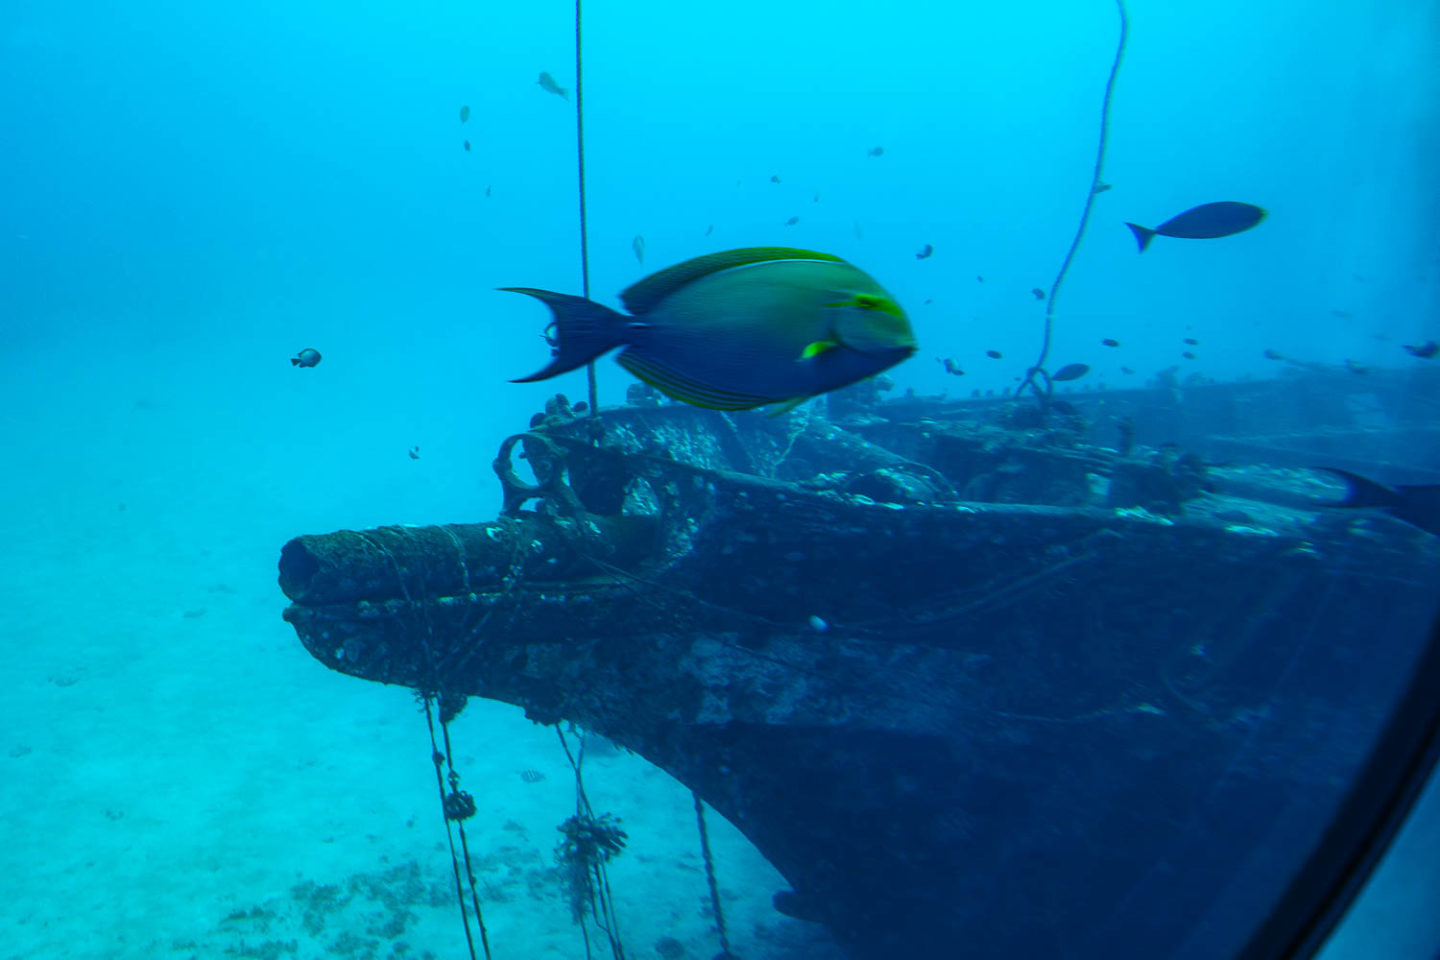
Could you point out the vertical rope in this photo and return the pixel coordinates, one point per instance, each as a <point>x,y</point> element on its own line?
<point>1084,216</point>
<point>440,759</point>
<point>725,953</point>
<point>602,907</point>
<point>584,231</point>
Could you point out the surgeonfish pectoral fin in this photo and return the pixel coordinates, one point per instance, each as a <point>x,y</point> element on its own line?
<point>817,348</point>
<point>1143,235</point>
<point>583,330</point>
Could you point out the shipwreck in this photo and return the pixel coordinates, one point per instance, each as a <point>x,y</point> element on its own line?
<point>989,677</point>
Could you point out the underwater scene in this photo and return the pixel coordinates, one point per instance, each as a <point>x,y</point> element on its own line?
<point>768,482</point>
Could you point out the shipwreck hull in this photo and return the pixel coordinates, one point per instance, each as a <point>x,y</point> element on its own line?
<point>956,728</point>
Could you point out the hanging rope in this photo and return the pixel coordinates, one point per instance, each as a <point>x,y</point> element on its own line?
<point>457,805</point>
<point>584,231</point>
<point>1038,368</point>
<point>725,953</point>
<point>590,842</point>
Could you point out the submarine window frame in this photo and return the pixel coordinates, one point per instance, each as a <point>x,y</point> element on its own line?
<point>1377,806</point>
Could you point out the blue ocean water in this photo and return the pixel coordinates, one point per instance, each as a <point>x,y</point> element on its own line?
<point>197,192</point>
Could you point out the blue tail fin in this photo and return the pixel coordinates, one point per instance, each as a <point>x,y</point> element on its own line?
<point>1363,492</point>
<point>1143,235</point>
<point>584,330</point>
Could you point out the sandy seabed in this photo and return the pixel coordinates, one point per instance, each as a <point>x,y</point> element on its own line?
<point>179,779</point>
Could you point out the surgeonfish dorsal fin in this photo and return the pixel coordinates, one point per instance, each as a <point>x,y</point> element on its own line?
<point>641,297</point>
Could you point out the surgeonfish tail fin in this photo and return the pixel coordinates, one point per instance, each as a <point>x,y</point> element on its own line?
<point>294,361</point>
<point>583,330</point>
<point>1363,492</point>
<point>1143,235</point>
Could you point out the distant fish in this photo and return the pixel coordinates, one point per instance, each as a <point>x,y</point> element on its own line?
<point>816,198</point>
<point>1425,351</point>
<point>1418,506</point>
<point>1342,314</point>
<point>467,146</point>
<point>1188,355</point>
<point>774,178</point>
<point>1274,355</point>
<point>414,453</point>
<point>859,231</point>
<point>1354,367</point>
<point>1038,294</point>
<point>305,358</point>
<point>993,354</point>
<point>1107,342</point>
<point>1192,341</point>
<point>1071,371</point>
<point>464,113</point>
<point>548,84</point>
<point>979,279</point>
<point>638,245</point>
<point>925,252</point>
<point>710,229</point>
<point>1126,370</point>
<point>487,191</point>
<point>951,367</point>
<point>876,151</point>
<point>738,329</point>
<point>1209,221</point>
<point>792,221</point>
<point>1101,187</point>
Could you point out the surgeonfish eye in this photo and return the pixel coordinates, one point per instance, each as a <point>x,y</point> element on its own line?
<point>877,323</point>
<point>870,301</point>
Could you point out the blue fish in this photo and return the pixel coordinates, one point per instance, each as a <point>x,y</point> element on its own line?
<point>738,329</point>
<point>1418,506</point>
<point>1206,222</point>
<point>1071,371</point>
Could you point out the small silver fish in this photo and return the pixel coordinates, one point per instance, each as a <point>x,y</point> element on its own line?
<point>638,245</point>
